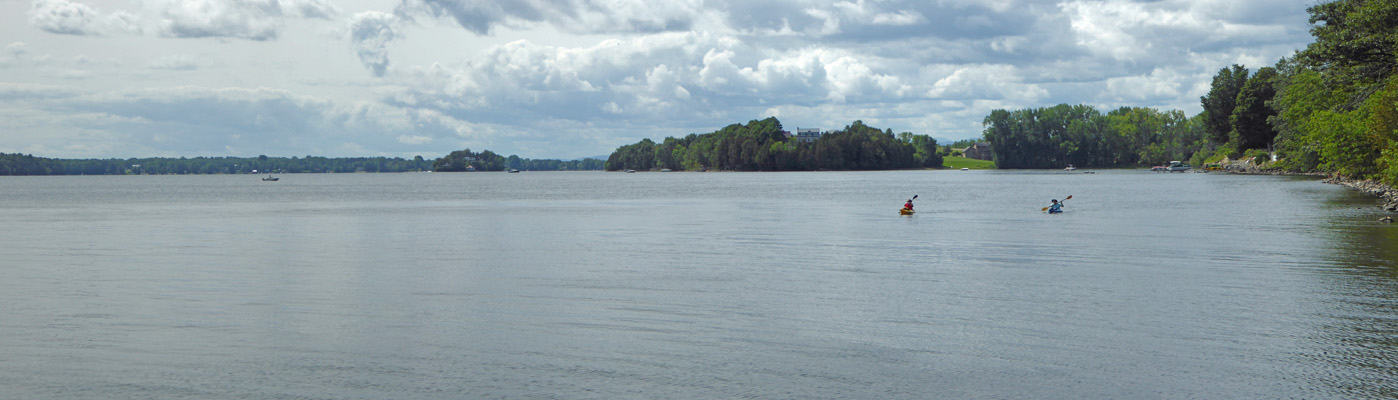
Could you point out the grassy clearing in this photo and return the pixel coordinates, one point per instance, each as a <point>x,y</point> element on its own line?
<point>963,162</point>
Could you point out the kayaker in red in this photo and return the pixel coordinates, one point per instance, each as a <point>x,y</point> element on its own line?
<point>908,205</point>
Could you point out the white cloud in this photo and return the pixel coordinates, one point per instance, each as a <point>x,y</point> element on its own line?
<point>992,82</point>
<point>370,32</point>
<point>14,53</point>
<point>862,10</point>
<point>577,16</point>
<point>1130,31</point>
<point>900,18</point>
<point>1161,85</point>
<point>69,18</point>
<point>179,62</point>
<point>245,19</point>
<point>17,54</point>
<point>414,139</point>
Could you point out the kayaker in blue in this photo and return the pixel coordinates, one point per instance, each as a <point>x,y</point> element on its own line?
<point>1056,207</point>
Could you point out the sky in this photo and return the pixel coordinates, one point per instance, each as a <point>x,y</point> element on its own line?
<point>568,79</point>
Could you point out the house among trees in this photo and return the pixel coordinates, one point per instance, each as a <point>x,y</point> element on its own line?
<point>978,151</point>
<point>807,134</point>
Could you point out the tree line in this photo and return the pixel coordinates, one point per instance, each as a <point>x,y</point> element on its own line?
<point>24,164</point>
<point>1062,135</point>
<point>762,145</point>
<point>486,160</point>
<point>1336,101</point>
<point>1331,107</point>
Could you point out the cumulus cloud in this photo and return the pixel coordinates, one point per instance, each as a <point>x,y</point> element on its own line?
<point>69,18</point>
<point>1130,31</point>
<point>1161,85</point>
<point>245,19</point>
<point>370,32</point>
<point>577,16</point>
<point>997,82</point>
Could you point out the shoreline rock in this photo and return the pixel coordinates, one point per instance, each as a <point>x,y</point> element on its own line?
<point>1388,194</point>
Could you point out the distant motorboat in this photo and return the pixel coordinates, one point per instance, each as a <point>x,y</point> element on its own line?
<point>965,169</point>
<point>630,171</point>
<point>1070,168</point>
<point>270,178</point>
<point>513,171</point>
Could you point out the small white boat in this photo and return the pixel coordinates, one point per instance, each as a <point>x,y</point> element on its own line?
<point>270,178</point>
<point>965,169</point>
<point>630,171</point>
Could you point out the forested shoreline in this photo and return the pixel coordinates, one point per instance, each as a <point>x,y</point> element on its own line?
<point>1330,108</point>
<point>22,164</point>
<point>1062,135</point>
<point>762,145</point>
<point>486,160</point>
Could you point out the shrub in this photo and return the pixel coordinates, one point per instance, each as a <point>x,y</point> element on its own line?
<point>1258,156</point>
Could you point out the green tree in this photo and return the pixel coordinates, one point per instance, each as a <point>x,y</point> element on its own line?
<point>1356,41</point>
<point>1221,101</point>
<point>1249,123</point>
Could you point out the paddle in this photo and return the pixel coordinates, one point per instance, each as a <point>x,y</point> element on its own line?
<point>1061,202</point>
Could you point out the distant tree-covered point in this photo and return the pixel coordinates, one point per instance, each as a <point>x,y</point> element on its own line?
<point>486,160</point>
<point>762,145</point>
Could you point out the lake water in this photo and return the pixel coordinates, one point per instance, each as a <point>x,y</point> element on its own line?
<point>591,285</point>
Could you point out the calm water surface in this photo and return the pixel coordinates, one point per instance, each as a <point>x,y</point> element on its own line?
<point>694,286</point>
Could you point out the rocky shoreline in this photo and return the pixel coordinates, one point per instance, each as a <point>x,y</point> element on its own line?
<point>1387,194</point>
<point>1371,187</point>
